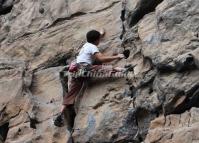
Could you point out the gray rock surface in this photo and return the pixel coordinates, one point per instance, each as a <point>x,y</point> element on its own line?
<point>38,39</point>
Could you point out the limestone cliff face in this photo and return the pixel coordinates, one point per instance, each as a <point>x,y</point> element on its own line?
<point>38,38</point>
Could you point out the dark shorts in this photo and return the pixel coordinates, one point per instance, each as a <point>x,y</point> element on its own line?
<point>77,85</point>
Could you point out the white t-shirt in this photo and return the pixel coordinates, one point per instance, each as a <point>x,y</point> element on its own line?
<point>86,53</point>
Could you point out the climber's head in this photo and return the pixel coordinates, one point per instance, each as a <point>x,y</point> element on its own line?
<point>93,37</point>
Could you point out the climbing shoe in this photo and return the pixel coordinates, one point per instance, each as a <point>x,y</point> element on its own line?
<point>59,120</point>
<point>129,67</point>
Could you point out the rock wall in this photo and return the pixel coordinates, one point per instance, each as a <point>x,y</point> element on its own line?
<point>158,104</point>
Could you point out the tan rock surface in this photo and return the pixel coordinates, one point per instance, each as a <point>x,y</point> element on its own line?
<point>30,114</point>
<point>38,38</point>
<point>175,128</point>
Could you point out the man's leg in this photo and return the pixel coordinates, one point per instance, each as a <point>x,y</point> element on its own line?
<point>106,68</point>
<point>75,85</point>
<point>69,116</point>
<point>110,68</point>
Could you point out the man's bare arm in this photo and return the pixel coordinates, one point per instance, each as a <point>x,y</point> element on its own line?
<point>103,58</point>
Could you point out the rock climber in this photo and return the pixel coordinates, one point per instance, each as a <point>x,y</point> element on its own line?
<point>88,54</point>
